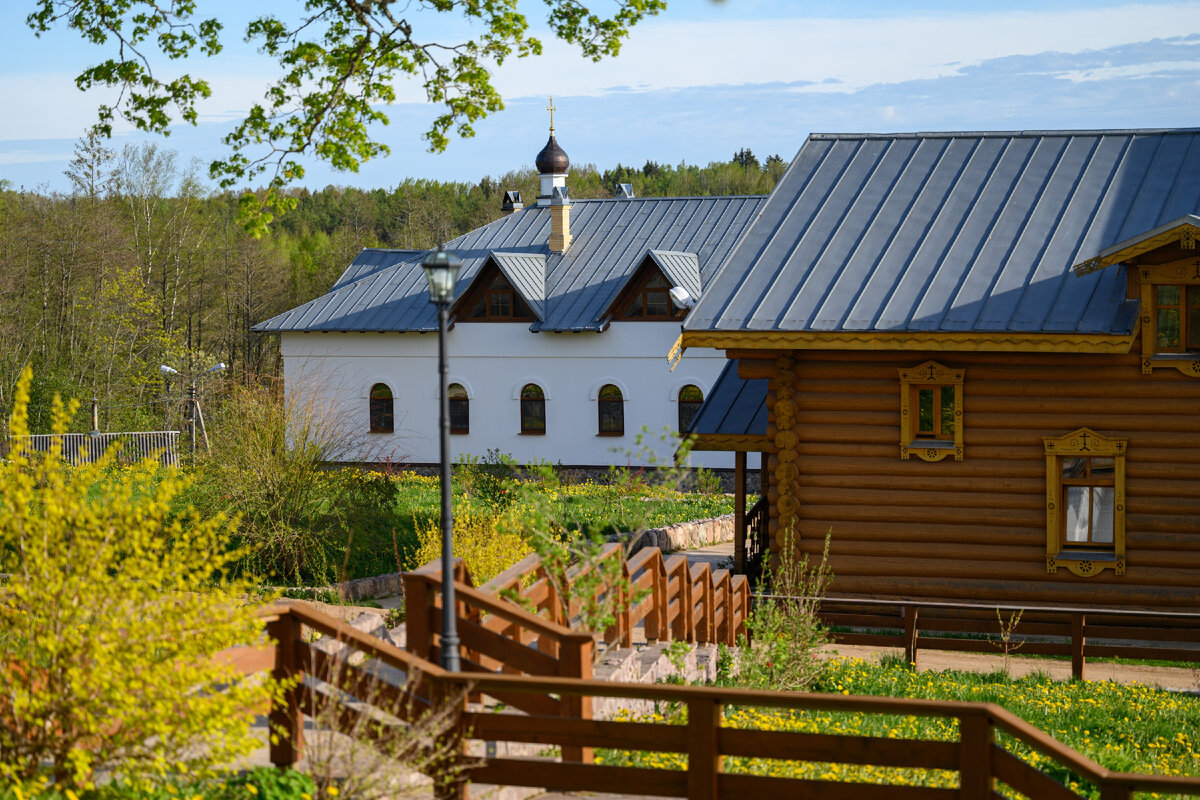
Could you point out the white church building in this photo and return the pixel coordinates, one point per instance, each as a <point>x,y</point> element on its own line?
<point>564,316</point>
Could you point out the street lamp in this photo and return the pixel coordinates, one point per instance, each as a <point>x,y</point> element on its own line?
<point>441,271</point>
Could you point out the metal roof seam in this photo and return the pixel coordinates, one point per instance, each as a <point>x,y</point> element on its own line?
<point>890,236</point>
<point>745,241</point>
<point>836,226</point>
<point>919,243</point>
<point>1017,238</point>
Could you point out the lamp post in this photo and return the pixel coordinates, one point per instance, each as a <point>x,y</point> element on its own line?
<point>441,271</point>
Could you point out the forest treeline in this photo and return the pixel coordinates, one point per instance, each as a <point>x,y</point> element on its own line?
<point>142,265</point>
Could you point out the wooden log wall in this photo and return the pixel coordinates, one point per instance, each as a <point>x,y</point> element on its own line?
<point>976,529</point>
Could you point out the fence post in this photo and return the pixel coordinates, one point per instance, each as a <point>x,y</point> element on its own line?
<point>910,635</point>
<point>704,760</point>
<point>1078,663</point>
<point>417,623</point>
<point>626,611</point>
<point>285,721</point>
<point>976,736</point>
<point>575,661</point>
<point>1109,791</point>
<point>656,620</point>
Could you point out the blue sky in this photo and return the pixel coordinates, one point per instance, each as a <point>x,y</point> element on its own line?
<point>695,84</point>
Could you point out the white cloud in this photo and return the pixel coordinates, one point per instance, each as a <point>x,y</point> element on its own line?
<point>849,53</point>
<point>31,157</point>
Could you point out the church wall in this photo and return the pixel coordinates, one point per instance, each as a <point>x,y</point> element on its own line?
<point>493,361</point>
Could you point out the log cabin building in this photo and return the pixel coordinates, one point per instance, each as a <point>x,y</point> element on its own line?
<point>979,358</point>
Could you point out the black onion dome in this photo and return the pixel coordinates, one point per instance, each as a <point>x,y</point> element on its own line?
<point>552,159</point>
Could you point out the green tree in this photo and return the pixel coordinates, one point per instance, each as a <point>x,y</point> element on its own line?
<point>111,614</point>
<point>338,62</point>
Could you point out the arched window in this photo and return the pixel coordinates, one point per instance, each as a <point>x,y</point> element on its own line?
<point>533,409</point>
<point>460,409</point>
<point>690,400</point>
<point>611,409</point>
<point>381,409</point>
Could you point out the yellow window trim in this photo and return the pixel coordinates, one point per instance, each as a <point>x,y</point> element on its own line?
<point>1178,273</point>
<point>929,373</point>
<point>1084,442</point>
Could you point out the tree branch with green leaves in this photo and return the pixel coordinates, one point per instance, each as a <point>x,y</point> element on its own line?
<point>339,61</point>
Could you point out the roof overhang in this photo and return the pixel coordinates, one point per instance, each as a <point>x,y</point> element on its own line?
<point>730,442</point>
<point>1183,230</point>
<point>911,340</point>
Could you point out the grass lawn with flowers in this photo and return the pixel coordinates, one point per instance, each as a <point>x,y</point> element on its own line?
<point>1134,727</point>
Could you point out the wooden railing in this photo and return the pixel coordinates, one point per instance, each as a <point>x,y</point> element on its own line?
<point>674,602</point>
<point>977,755</point>
<point>758,544</point>
<point>1038,630</point>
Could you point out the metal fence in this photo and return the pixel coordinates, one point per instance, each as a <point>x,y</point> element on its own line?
<point>84,448</point>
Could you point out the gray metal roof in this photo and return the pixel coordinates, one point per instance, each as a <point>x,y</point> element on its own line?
<point>611,239</point>
<point>681,269</point>
<point>952,232</point>
<point>369,262</point>
<point>527,273</point>
<point>735,406</point>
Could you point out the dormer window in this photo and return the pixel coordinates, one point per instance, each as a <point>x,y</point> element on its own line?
<point>649,298</point>
<point>500,302</point>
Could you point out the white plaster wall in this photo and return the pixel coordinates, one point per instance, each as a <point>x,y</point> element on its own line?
<point>493,361</point>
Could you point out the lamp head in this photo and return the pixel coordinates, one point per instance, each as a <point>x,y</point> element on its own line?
<point>165,370</point>
<point>681,298</point>
<point>216,367</point>
<point>441,271</point>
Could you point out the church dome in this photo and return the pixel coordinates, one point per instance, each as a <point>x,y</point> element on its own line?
<point>552,159</point>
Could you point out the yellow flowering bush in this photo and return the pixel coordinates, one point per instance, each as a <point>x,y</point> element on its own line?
<point>110,613</point>
<point>485,541</point>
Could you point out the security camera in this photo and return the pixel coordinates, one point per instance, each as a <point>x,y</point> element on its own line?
<point>681,297</point>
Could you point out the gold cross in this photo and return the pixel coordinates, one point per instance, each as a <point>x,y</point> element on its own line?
<point>551,109</point>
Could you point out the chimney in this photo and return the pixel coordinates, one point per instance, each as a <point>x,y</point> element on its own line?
<point>560,220</point>
<point>623,191</point>
<point>512,202</point>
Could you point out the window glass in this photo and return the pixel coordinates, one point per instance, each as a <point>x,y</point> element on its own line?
<point>1102,514</point>
<point>947,431</point>
<point>1074,467</point>
<point>611,410</point>
<point>1102,467</point>
<point>1193,318</point>
<point>1166,295</point>
<point>499,304</point>
<point>1168,328</point>
<point>925,412</point>
<point>1077,513</point>
<point>460,409</point>
<point>690,400</point>
<point>380,409</point>
<point>533,409</point>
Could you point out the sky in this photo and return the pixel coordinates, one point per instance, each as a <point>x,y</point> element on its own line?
<point>695,84</point>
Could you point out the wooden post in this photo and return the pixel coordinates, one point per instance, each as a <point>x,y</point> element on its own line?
<point>626,611</point>
<point>976,736</point>
<point>910,635</point>
<point>739,513</point>
<point>1078,663</point>
<point>1110,791</point>
<point>576,662</point>
<point>451,744</point>
<point>704,760</point>
<point>417,618</point>
<point>285,720</point>
<point>656,620</point>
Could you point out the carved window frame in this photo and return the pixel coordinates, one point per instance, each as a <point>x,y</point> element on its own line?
<point>1183,273</point>
<point>1082,561</point>
<point>929,375</point>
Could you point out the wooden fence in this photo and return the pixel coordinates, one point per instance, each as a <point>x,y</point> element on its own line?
<point>1030,630</point>
<point>982,761</point>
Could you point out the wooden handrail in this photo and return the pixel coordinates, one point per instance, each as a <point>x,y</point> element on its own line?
<point>978,758</point>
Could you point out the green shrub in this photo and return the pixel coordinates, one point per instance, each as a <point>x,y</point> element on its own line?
<point>785,633</point>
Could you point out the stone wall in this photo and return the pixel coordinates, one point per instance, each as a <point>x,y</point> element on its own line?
<point>686,535</point>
